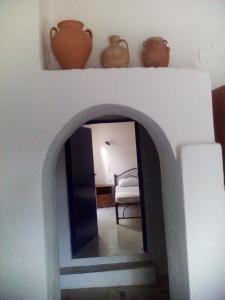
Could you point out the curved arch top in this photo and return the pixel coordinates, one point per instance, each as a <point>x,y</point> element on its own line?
<point>171,185</point>
<point>155,131</point>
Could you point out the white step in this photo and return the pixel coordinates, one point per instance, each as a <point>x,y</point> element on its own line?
<point>108,276</point>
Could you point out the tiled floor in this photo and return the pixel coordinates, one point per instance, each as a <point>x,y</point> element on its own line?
<point>123,239</point>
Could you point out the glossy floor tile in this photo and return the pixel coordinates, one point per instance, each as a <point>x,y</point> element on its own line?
<point>123,239</point>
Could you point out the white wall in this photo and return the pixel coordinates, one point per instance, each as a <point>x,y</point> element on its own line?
<point>40,109</point>
<point>64,242</point>
<point>194,29</point>
<point>23,271</point>
<point>44,19</point>
<point>203,185</point>
<point>119,156</point>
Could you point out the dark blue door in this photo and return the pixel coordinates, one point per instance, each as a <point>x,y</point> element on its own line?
<point>81,189</point>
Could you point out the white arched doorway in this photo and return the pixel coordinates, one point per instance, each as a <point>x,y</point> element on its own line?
<point>174,105</point>
<point>171,191</point>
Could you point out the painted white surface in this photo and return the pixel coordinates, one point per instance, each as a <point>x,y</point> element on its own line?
<point>23,267</point>
<point>205,223</point>
<point>194,29</point>
<point>64,242</point>
<point>44,22</point>
<point>40,109</point>
<point>141,276</point>
<point>119,156</point>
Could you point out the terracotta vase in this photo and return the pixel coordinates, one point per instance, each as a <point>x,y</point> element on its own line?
<point>116,55</point>
<point>71,44</point>
<point>156,52</point>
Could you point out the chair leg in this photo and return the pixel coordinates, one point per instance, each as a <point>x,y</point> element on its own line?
<point>117,213</point>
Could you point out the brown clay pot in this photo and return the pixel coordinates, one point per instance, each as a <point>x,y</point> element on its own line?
<point>70,44</point>
<point>116,55</point>
<point>156,52</point>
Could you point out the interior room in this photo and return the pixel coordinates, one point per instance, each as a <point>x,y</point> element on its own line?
<point>114,153</point>
<point>107,184</point>
<point>158,63</point>
<point>110,151</point>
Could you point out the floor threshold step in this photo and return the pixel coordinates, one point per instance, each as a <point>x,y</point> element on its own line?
<point>157,292</point>
<point>105,267</point>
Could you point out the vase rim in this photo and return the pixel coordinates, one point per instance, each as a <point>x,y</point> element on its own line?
<point>114,36</point>
<point>60,24</point>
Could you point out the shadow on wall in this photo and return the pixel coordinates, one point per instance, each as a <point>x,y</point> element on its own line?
<point>173,206</point>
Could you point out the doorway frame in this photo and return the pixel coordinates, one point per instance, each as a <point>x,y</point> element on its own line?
<point>123,119</point>
<point>167,158</point>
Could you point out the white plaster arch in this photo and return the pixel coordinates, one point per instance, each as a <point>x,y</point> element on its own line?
<point>171,189</point>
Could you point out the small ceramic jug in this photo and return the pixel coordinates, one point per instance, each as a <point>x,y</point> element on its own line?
<point>116,55</point>
<point>156,52</point>
<point>71,44</point>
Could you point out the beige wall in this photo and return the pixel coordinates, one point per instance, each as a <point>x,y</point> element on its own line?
<point>119,156</point>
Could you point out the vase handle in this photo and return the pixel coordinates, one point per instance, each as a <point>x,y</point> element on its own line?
<point>89,32</point>
<point>124,41</point>
<point>52,31</point>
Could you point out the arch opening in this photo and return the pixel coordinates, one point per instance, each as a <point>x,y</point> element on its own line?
<point>171,189</point>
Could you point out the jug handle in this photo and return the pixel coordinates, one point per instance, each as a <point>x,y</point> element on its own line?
<point>124,41</point>
<point>89,32</point>
<point>165,42</point>
<point>53,29</point>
